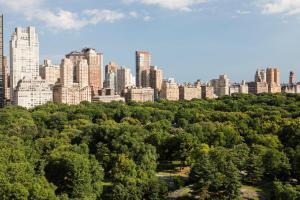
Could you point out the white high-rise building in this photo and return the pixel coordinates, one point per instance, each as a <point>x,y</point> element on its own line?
<point>24,60</point>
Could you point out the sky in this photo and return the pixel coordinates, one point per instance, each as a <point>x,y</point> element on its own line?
<point>188,39</point>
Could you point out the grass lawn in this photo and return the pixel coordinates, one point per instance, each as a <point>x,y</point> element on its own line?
<point>255,193</point>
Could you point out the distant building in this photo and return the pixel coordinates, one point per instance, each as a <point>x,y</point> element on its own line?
<point>50,72</point>
<point>207,92</point>
<point>30,93</point>
<point>145,78</point>
<point>140,94</point>
<point>189,92</point>
<point>170,90</point>
<point>73,87</point>
<point>27,89</point>
<point>290,88</point>
<point>95,65</point>
<point>6,81</point>
<point>292,78</point>
<point>258,87</point>
<point>238,88</point>
<point>260,76</point>
<point>273,80</point>
<point>108,98</point>
<point>221,85</point>
<point>24,57</point>
<point>143,62</point>
<point>156,79</point>
<point>124,79</point>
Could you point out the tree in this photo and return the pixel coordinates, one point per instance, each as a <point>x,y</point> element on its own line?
<point>74,174</point>
<point>215,176</point>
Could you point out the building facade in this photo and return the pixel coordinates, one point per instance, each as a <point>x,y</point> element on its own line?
<point>170,90</point>
<point>140,95</point>
<point>24,56</point>
<point>124,79</point>
<point>30,92</point>
<point>258,87</point>
<point>95,66</point>
<point>207,91</point>
<point>27,89</point>
<point>6,81</point>
<point>241,88</point>
<point>110,81</point>
<point>156,80</point>
<point>221,85</point>
<point>50,72</point>
<point>292,78</point>
<point>273,80</point>
<point>189,92</point>
<point>143,62</point>
<point>73,87</point>
<point>108,98</point>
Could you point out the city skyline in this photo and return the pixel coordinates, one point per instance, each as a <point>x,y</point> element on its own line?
<point>234,40</point>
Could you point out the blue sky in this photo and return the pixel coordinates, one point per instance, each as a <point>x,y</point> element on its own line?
<point>188,39</point>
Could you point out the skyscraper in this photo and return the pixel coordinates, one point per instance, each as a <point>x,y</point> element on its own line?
<point>24,70</point>
<point>95,63</point>
<point>143,62</point>
<point>1,63</point>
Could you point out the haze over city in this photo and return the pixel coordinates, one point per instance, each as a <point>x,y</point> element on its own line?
<point>188,39</point>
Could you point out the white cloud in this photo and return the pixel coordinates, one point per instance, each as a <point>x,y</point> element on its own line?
<point>288,7</point>
<point>21,5</point>
<point>183,5</point>
<point>147,18</point>
<point>60,19</point>
<point>133,14</point>
<point>243,12</point>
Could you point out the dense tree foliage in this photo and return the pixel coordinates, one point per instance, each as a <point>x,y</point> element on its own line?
<point>113,151</point>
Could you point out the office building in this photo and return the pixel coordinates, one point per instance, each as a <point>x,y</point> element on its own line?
<point>95,66</point>
<point>143,62</point>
